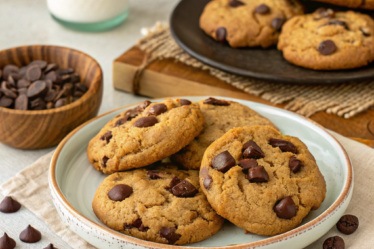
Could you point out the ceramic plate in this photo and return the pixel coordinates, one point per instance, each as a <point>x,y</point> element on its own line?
<point>73,182</point>
<point>263,64</point>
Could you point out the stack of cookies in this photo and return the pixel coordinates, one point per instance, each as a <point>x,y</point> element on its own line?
<point>323,40</point>
<point>179,169</point>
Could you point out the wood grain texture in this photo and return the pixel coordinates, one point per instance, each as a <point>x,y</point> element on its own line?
<point>168,78</point>
<point>46,128</point>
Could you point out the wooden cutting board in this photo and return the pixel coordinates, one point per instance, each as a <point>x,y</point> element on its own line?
<point>169,78</point>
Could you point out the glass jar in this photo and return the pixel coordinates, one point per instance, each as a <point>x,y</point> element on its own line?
<point>89,15</point>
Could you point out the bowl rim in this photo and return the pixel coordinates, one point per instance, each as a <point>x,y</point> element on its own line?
<point>94,87</point>
<point>148,244</point>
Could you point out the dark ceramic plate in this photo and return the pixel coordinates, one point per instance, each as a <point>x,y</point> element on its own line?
<point>264,64</point>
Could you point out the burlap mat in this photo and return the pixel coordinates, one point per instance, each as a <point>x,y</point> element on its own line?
<point>345,100</point>
<point>30,188</point>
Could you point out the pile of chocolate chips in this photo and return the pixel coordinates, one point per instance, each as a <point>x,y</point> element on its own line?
<point>39,85</point>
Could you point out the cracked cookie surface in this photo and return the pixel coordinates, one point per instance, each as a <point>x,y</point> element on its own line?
<point>247,23</point>
<point>328,40</point>
<point>361,4</point>
<point>218,119</point>
<point>144,135</point>
<point>152,212</point>
<point>272,190</point>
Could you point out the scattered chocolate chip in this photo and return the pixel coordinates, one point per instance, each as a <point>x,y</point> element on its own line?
<point>8,69</point>
<point>7,242</point>
<point>338,22</point>
<point>8,205</point>
<point>145,104</point>
<point>107,136</point>
<point>323,12</point>
<point>294,164</point>
<point>169,234</point>
<point>154,174</point>
<point>262,9</point>
<point>347,224</point>
<point>33,73</point>
<point>38,104</point>
<point>365,31</point>
<point>30,235</point>
<point>184,102</point>
<point>105,160</point>
<point>6,101</point>
<point>22,83</point>
<point>223,162</point>
<point>257,174</point>
<point>21,102</point>
<point>184,189</point>
<point>335,242</point>
<point>252,150</point>
<point>236,3</point>
<point>213,101</point>
<point>61,102</point>
<point>286,208</point>
<point>50,246</point>
<point>145,122</point>
<point>40,63</point>
<point>157,109</point>
<point>277,23</point>
<point>247,164</point>
<point>327,47</point>
<point>221,34</point>
<point>284,146</point>
<point>50,67</point>
<point>120,192</point>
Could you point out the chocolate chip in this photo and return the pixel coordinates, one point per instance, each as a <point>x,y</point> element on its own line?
<point>11,81</point>
<point>22,83</point>
<point>37,89</point>
<point>213,101</point>
<point>169,234</point>
<point>51,95</point>
<point>327,47</point>
<point>107,136</point>
<point>284,146</point>
<point>105,160</point>
<point>286,208</point>
<point>221,34</point>
<point>236,3</point>
<point>174,181</point>
<point>153,174</point>
<point>8,205</point>
<point>277,23</point>
<point>262,9</point>
<point>50,67</point>
<point>6,101</point>
<point>252,150</point>
<point>347,224</point>
<point>30,235</point>
<point>5,88</point>
<point>33,73</point>
<point>294,164</point>
<point>184,189</point>
<point>120,192</point>
<point>335,242</point>
<point>223,162</point>
<point>365,31</point>
<point>21,102</point>
<point>323,12</point>
<point>50,246</point>
<point>257,174</point>
<point>157,109</point>
<point>122,121</point>
<point>8,69</point>
<point>138,224</point>
<point>81,87</point>
<point>54,77</point>
<point>61,102</point>
<point>22,91</point>
<point>78,94</point>
<point>338,22</point>
<point>38,104</point>
<point>184,102</point>
<point>75,78</point>
<point>145,104</point>
<point>40,63</point>
<point>246,164</point>
<point>208,180</point>
<point>64,71</point>
<point>7,242</point>
<point>145,122</point>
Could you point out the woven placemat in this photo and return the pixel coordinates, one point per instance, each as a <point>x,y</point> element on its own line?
<point>345,100</point>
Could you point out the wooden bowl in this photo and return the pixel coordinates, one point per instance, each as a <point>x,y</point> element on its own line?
<point>46,128</point>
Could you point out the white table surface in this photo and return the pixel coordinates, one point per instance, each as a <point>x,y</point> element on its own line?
<point>24,22</point>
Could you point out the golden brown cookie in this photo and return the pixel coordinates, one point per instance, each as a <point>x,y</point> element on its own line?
<point>361,4</point>
<point>164,205</point>
<point>219,117</point>
<point>247,23</point>
<point>144,135</point>
<point>325,40</point>
<point>261,180</point>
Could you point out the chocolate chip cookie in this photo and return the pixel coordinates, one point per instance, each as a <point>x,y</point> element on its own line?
<point>144,135</point>
<point>361,4</point>
<point>261,180</point>
<point>164,205</point>
<point>328,40</point>
<point>247,23</point>
<point>219,117</point>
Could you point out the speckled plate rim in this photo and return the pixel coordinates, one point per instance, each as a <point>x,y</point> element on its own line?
<point>348,187</point>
